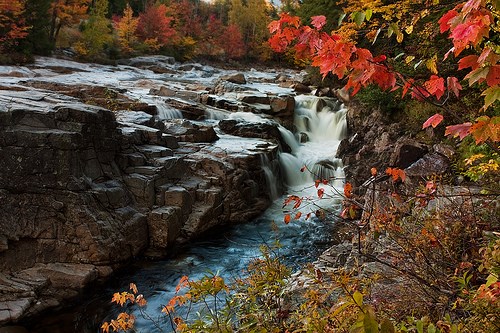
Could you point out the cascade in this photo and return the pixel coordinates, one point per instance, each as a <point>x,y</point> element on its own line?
<point>167,112</point>
<point>320,125</point>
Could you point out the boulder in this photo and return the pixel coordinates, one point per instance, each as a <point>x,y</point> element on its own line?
<point>263,130</point>
<point>238,78</point>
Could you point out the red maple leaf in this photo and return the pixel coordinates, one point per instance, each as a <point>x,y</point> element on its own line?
<point>468,61</point>
<point>453,85</point>
<point>486,128</point>
<point>444,22</point>
<point>493,77</point>
<point>318,21</point>
<point>433,121</point>
<point>435,86</point>
<point>460,130</point>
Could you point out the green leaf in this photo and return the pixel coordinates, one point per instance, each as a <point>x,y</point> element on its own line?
<point>477,74</point>
<point>368,14</point>
<point>431,328</point>
<point>370,321</point>
<point>358,298</point>
<point>390,31</point>
<point>358,18</point>
<point>490,280</point>
<point>420,326</point>
<point>491,95</point>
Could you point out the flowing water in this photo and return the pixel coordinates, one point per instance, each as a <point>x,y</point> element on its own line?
<point>320,125</point>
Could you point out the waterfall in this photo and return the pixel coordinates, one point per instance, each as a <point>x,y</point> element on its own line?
<point>167,112</point>
<point>320,125</point>
<point>270,173</point>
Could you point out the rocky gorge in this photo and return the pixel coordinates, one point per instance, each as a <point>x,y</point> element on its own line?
<point>101,165</point>
<point>95,172</point>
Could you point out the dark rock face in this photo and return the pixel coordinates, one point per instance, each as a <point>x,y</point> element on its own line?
<point>83,190</point>
<point>261,130</point>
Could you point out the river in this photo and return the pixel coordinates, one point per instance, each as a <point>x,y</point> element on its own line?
<point>319,125</point>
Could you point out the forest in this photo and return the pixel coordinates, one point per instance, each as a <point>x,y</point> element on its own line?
<point>432,65</point>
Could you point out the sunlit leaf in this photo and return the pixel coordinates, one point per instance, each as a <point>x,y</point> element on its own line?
<point>486,128</point>
<point>368,14</point>
<point>358,298</point>
<point>460,130</point>
<point>491,95</point>
<point>409,59</point>
<point>431,64</point>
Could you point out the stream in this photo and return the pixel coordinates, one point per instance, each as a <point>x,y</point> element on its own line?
<point>319,125</point>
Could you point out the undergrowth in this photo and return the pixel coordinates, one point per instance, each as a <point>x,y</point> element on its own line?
<point>421,261</point>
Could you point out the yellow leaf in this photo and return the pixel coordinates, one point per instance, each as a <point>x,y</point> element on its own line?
<point>431,64</point>
<point>399,37</point>
<point>409,29</point>
<point>409,59</point>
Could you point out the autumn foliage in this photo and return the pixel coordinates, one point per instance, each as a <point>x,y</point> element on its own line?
<point>469,25</point>
<point>12,23</point>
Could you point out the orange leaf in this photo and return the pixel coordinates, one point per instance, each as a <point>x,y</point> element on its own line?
<point>321,192</point>
<point>308,216</point>
<point>348,190</point>
<point>373,172</point>
<point>317,182</point>
<point>396,174</point>
<point>297,216</point>
<point>183,282</point>
<point>493,77</point>
<point>133,287</point>
<point>435,86</point>
<point>287,218</point>
<point>433,121</point>
<point>105,327</point>
<point>486,128</point>
<point>468,61</point>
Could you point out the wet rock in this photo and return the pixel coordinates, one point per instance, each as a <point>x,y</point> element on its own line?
<point>87,189</point>
<point>238,78</point>
<point>164,226</point>
<point>282,106</point>
<point>301,88</point>
<point>186,131</point>
<point>156,60</point>
<point>406,152</point>
<point>428,165</point>
<point>263,130</point>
